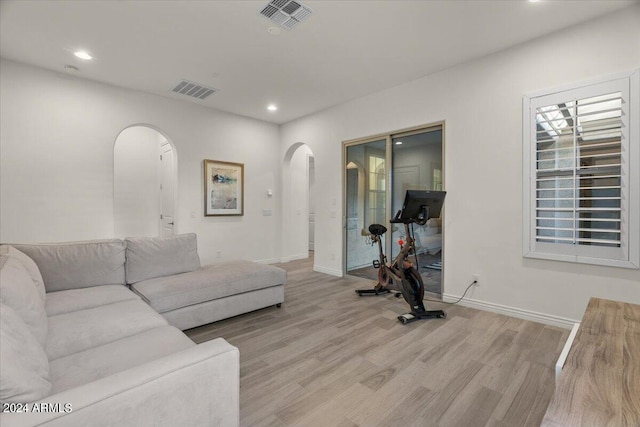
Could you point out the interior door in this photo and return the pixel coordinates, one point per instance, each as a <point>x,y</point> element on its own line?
<point>312,206</point>
<point>166,190</point>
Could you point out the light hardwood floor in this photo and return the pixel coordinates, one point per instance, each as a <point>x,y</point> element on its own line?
<point>330,358</point>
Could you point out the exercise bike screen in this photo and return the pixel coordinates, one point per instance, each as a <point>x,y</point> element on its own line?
<point>415,202</point>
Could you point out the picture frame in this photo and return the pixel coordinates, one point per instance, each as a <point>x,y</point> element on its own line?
<point>223,188</point>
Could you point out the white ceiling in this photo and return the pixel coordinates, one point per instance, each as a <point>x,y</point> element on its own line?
<point>345,50</point>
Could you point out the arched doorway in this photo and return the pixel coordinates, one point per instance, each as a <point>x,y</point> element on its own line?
<point>144,183</point>
<point>298,202</point>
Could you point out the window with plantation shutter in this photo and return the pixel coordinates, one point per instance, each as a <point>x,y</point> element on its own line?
<point>581,162</point>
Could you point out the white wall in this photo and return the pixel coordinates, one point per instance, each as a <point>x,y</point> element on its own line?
<point>481,102</point>
<point>56,170</point>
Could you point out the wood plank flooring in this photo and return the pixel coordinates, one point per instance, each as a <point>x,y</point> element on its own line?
<point>330,358</point>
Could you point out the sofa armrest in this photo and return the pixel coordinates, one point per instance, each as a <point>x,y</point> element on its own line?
<point>199,386</point>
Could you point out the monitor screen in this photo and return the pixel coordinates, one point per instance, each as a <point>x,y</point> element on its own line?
<point>421,205</point>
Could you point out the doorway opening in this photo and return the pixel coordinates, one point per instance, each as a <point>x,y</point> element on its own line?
<point>378,172</point>
<point>144,183</point>
<point>299,206</point>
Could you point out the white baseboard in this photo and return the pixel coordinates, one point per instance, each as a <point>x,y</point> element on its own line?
<point>268,261</point>
<point>299,256</point>
<point>294,257</point>
<point>326,270</point>
<point>520,313</point>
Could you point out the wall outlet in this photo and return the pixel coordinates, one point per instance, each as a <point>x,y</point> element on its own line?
<point>476,279</point>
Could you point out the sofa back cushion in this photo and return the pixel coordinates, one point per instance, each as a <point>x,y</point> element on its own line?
<point>29,265</point>
<point>18,291</point>
<point>150,257</point>
<point>78,264</point>
<point>24,371</point>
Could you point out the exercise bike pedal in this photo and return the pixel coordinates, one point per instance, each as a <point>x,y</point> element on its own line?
<point>406,318</point>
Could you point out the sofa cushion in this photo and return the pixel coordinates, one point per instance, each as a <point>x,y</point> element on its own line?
<point>150,257</point>
<point>81,299</point>
<point>78,264</point>
<point>211,282</point>
<point>81,330</point>
<point>24,371</point>
<point>18,291</point>
<point>98,362</point>
<point>29,265</point>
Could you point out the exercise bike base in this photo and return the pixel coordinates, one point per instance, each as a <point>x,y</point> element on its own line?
<point>429,314</point>
<point>372,292</point>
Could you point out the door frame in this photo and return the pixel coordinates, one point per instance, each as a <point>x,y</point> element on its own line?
<point>388,136</point>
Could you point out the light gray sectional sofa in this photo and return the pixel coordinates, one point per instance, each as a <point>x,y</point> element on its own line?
<point>79,348</point>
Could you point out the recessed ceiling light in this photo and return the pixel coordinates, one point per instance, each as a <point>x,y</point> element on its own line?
<point>272,107</point>
<point>398,142</point>
<point>82,54</point>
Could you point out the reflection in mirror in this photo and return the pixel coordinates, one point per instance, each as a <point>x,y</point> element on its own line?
<point>365,199</point>
<point>417,165</point>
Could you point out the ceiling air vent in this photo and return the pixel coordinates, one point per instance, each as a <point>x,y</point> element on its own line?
<point>286,13</point>
<point>194,90</point>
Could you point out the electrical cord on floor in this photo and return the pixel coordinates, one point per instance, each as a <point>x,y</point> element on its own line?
<point>459,299</point>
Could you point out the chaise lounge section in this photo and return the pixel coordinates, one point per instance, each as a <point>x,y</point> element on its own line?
<point>166,273</point>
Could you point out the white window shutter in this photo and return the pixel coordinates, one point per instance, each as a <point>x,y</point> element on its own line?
<point>581,160</point>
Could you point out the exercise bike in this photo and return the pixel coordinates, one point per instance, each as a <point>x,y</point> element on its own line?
<point>418,207</point>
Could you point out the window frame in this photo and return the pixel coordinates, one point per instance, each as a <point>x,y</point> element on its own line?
<point>629,254</point>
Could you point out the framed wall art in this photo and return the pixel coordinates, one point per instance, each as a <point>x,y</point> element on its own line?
<point>223,188</point>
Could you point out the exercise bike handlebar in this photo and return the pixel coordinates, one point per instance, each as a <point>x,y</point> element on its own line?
<point>399,220</point>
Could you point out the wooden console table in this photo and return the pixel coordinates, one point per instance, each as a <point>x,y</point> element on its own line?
<point>600,382</point>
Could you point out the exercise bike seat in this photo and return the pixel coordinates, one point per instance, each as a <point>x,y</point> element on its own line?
<point>377,229</point>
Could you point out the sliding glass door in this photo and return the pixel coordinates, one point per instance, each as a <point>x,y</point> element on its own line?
<point>378,172</point>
